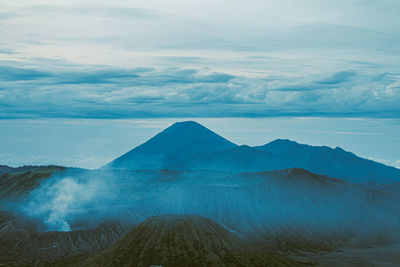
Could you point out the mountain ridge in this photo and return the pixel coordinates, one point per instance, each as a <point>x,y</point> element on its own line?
<point>183,240</point>
<point>190,146</point>
<point>333,162</point>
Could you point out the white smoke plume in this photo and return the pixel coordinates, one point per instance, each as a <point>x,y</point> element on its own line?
<point>63,197</point>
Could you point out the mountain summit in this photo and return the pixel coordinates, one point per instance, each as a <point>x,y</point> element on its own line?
<point>174,143</point>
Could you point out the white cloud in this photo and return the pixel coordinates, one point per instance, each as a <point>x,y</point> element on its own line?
<point>397,164</point>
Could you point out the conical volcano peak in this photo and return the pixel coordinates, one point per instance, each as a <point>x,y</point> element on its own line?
<point>189,127</point>
<point>177,141</point>
<point>185,135</point>
<point>186,125</point>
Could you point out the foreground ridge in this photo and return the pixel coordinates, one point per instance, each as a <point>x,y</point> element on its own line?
<point>183,240</point>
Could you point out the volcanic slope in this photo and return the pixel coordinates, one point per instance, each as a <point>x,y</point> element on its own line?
<point>17,183</point>
<point>21,244</point>
<point>183,240</point>
<point>171,145</point>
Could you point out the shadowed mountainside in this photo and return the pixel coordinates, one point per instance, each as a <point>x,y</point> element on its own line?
<point>237,159</point>
<point>190,146</point>
<point>332,162</point>
<point>174,143</point>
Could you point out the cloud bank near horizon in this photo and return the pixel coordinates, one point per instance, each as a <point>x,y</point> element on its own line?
<point>104,92</point>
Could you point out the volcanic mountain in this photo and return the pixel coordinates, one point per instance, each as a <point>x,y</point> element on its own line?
<point>183,240</point>
<point>171,145</point>
<point>191,146</point>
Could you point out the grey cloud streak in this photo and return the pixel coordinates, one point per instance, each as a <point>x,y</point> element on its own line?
<point>107,92</point>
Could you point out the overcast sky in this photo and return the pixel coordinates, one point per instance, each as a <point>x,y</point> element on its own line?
<point>126,59</point>
<point>178,59</point>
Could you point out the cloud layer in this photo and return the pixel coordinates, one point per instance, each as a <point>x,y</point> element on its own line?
<point>88,91</point>
<point>151,59</point>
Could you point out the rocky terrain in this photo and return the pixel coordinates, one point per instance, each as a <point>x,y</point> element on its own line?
<point>183,240</point>
<point>18,182</point>
<point>21,244</point>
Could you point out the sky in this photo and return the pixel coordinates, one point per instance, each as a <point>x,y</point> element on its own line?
<point>69,65</point>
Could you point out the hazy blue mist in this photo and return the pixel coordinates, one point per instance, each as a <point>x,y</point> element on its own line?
<point>288,206</point>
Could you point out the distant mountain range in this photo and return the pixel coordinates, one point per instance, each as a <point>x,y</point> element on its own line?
<point>191,146</point>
